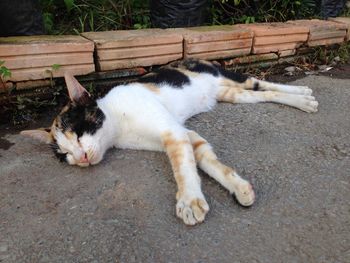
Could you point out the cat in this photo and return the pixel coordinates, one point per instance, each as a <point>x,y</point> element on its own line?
<point>149,114</point>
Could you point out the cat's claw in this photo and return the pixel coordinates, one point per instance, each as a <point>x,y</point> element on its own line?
<point>192,210</point>
<point>244,193</point>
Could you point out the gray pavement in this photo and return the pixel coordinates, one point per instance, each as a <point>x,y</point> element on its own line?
<point>123,210</point>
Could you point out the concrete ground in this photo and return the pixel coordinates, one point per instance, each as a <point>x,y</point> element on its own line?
<point>123,210</point>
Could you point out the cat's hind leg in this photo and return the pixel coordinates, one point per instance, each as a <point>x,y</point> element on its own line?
<point>226,176</point>
<point>261,85</point>
<point>191,205</point>
<point>230,79</point>
<point>231,94</point>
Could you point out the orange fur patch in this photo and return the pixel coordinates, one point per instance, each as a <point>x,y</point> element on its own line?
<point>175,150</point>
<point>228,94</point>
<point>69,135</point>
<point>198,144</point>
<point>187,72</point>
<point>152,87</point>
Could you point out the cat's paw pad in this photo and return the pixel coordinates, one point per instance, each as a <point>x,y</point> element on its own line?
<point>192,211</point>
<point>244,193</point>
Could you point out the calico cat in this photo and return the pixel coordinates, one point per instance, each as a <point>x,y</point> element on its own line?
<point>150,114</point>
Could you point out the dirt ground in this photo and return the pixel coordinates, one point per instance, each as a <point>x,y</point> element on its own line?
<point>123,210</point>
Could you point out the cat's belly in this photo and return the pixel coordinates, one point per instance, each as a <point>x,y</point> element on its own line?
<point>192,99</point>
<point>139,142</point>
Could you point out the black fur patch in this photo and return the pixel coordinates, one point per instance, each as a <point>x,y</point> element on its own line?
<point>82,119</point>
<point>207,67</point>
<point>61,156</point>
<point>200,67</point>
<point>256,86</point>
<point>168,76</point>
<point>237,77</point>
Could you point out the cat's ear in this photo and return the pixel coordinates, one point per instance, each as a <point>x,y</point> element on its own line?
<point>77,93</point>
<point>42,135</point>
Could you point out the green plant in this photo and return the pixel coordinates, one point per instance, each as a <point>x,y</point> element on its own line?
<point>250,11</point>
<point>77,16</point>
<point>50,71</point>
<point>5,73</point>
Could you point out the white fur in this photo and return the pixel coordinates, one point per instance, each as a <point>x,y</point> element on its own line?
<point>138,116</point>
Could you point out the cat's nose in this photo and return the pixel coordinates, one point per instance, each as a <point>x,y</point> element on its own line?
<point>84,158</point>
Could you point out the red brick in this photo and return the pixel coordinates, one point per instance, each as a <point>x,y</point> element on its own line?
<point>217,46</point>
<point>325,42</point>
<point>274,48</point>
<point>33,84</point>
<point>275,29</point>
<point>28,45</point>
<point>42,72</point>
<point>122,53</point>
<point>275,37</point>
<point>286,53</point>
<point>213,33</point>
<point>214,42</point>
<point>28,57</point>
<point>343,20</point>
<point>132,38</point>
<point>42,60</point>
<point>323,32</point>
<point>135,62</point>
<point>268,40</point>
<point>220,54</point>
<point>135,48</point>
<point>318,25</point>
<point>251,59</point>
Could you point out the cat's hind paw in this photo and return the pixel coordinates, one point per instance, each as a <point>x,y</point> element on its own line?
<point>192,211</point>
<point>244,193</point>
<point>307,104</point>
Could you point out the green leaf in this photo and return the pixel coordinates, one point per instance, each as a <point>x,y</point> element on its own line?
<point>55,66</point>
<point>69,4</point>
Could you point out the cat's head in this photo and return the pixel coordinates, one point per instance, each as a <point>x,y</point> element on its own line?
<point>76,133</point>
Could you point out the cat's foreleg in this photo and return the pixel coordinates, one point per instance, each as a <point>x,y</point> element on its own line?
<point>305,103</point>
<point>191,205</point>
<point>226,176</point>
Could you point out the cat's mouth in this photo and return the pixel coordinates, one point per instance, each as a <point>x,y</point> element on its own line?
<point>88,160</point>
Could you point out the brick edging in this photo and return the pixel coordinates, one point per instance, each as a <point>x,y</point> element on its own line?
<point>31,58</point>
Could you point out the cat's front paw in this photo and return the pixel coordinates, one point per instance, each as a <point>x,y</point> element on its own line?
<point>192,210</point>
<point>244,193</point>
